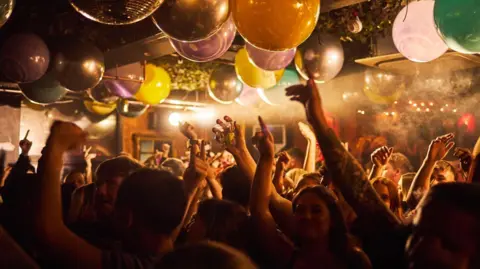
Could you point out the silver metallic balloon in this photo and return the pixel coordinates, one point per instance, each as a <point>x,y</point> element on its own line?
<point>321,56</point>
<point>224,86</point>
<point>6,9</point>
<point>101,94</point>
<point>191,20</point>
<point>116,12</point>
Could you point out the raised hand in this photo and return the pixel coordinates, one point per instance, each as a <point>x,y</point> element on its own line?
<point>231,135</point>
<point>166,147</point>
<point>309,96</point>
<point>198,167</point>
<point>465,157</point>
<point>264,140</point>
<point>66,136</point>
<point>87,155</point>
<point>381,155</point>
<point>188,131</point>
<point>306,131</point>
<point>439,147</point>
<point>25,144</point>
<point>282,161</point>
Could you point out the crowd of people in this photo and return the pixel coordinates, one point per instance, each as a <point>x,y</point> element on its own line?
<point>283,211</point>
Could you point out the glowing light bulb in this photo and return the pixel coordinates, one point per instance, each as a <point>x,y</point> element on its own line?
<point>174,119</point>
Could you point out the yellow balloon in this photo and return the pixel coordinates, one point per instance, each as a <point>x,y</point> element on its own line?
<point>253,76</point>
<point>275,24</point>
<point>156,87</point>
<point>98,108</point>
<point>382,87</point>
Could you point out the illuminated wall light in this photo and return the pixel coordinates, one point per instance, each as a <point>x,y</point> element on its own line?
<point>441,109</point>
<point>418,109</point>
<point>415,105</point>
<point>431,104</point>
<point>205,115</point>
<point>386,113</point>
<point>428,109</point>
<point>422,104</point>
<point>446,105</point>
<point>393,113</point>
<point>396,102</point>
<point>174,119</point>
<point>455,110</point>
<point>410,102</point>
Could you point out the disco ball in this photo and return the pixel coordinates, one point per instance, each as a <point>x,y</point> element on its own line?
<point>116,12</point>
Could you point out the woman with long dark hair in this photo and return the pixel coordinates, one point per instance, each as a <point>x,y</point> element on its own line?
<point>320,234</point>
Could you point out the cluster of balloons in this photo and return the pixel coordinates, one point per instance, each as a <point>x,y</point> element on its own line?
<point>320,57</point>
<point>203,30</point>
<point>46,73</point>
<point>424,30</point>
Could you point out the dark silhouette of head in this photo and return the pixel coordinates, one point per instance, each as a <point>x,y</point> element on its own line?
<point>446,231</point>
<point>221,221</point>
<point>236,186</point>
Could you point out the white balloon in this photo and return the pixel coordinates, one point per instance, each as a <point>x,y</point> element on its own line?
<point>415,34</point>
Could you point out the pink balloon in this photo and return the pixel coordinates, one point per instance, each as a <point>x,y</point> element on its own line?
<point>208,49</point>
<point>270,60</point>
<point>248,97</point>
<point>415,35</point>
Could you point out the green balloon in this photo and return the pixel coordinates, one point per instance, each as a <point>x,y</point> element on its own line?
<point>458,22</point>
<point>276,94</point>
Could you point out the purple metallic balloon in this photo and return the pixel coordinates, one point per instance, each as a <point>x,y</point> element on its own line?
<point>24,58</point>
<point>208,49</point>
<point>124,88</point>
<point>270,60</point>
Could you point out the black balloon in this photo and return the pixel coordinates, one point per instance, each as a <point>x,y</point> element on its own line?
<point>101,94</point>
<point>78,65</point>
<point>131,109</point>
<point>46,90</point>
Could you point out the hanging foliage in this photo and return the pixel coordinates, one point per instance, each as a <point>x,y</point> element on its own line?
<point>187,75</point>
<point>376,16</point>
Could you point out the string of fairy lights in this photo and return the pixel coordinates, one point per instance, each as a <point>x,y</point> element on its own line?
<point>415,106</point>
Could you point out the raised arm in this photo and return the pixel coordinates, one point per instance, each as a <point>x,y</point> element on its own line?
<point>236,146</point>
<point>271,241</point>
<point>88,160</point>
<point>311,155</point>
<point>380,158</point>
<point>347,174</point>
<point>474,170</point>
<point>281,208</point>
<point>279,175</point>
<point>58,241</point>
<point>438,149</point>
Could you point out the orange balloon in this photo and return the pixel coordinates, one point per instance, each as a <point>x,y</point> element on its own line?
<point>275,24</point>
